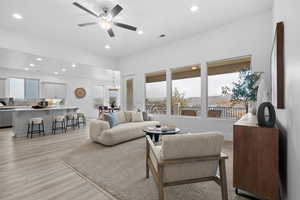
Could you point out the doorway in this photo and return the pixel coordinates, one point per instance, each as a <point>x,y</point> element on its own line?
<point>129,94</point>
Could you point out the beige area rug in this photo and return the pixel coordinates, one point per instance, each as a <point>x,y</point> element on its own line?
<point>120,171</point>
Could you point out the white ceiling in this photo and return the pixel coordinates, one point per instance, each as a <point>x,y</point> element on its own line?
<point>12,59</point>
<point>58,19</point>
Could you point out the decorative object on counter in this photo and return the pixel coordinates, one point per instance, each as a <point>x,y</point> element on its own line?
<point>39,122</point>
<point>277,67</point>
<point>266,120</point>
<point>43,103</point>
<point>80,93</point>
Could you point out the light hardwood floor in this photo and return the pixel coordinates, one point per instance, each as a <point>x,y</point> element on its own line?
<point>32,168</point>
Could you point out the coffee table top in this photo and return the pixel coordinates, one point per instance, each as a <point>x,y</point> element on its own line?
<point>160,132</point>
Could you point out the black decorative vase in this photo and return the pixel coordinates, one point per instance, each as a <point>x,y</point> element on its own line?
<point>263,120</point>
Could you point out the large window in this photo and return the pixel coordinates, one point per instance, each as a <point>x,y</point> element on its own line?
<point>156,93</point>
<point>221,75</point>
<point>186,91</point>
<point>27,89</point>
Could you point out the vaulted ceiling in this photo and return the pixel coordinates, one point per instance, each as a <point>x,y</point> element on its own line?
<point>57,20</point>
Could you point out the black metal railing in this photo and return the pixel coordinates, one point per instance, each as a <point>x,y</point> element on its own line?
<point>226,112</point>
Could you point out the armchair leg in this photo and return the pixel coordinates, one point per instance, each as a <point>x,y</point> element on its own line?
<point>147,158</point>
<point>161,192</point>
<point>223,179</point>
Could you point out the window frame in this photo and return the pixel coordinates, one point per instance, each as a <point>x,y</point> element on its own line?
<point>171,90</point>
<point>145,91</point>
<point>204,89</point>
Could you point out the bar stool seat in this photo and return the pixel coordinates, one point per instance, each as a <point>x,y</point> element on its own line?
<point>59,120</point>
<point>39,122</point>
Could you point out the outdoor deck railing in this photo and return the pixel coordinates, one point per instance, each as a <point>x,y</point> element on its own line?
<point>213,111</point>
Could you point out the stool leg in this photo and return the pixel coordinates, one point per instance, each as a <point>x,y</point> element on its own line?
<point>43,127</point>
<point>39,129</point>
<point>65,127</point>
<point>78,124</point>
<point>62,126</point>
<point>31,132</point>
<point>28,128</point>
<point>54,127</point>
<point>84,121</point>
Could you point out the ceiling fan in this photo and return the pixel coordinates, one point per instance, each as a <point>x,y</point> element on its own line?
<point>105,19</point>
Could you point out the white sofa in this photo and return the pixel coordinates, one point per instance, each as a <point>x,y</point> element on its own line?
<point>101,132</point>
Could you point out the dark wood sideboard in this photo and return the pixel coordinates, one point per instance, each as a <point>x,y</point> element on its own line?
<point>255,163</point>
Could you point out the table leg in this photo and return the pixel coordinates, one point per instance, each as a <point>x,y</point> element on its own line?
<point>156,137</point>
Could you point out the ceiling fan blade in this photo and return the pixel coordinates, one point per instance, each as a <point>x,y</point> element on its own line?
<point>116,10</point>
<point>85,9</point>
<point>111,33</point>
<point>87,24</point>
<point>132,28</point>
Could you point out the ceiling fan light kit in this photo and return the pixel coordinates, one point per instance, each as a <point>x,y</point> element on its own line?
<point>105,19</point>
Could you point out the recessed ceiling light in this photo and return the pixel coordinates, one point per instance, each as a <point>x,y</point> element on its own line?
<point>107,46</point>
<point>140,32</point>
<point>162,36</point>
<point>56,73</point>
<point>73,65</point>
<point>26,68</point>
<point>194,8</point>
<point>63,69</point>
<point>17,16</point>
<point>39,59</point>
<point>31,65</point>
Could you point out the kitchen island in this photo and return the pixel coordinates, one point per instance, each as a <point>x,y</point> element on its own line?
<point>21,117</point>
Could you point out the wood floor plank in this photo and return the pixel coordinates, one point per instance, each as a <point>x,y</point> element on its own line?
<point>31,169</point>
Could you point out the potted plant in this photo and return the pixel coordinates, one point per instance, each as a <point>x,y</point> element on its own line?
<point>244,89</point>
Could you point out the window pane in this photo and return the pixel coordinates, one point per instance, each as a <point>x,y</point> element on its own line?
<point>221,76</point>
<point>32,89</point>
<point>186,91</point>
<point>114,97</point>
<point>16,88</point>
<point>156,93</point>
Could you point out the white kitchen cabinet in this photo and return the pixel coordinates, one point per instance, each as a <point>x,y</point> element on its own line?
<point>54,90</point>
<point>2,87</point>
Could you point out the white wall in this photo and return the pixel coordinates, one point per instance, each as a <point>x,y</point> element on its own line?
<point>52,49</point>
<point>249,36</point>
<point>288,12</point>
<point>85,105</point>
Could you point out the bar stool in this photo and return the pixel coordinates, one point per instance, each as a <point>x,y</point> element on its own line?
<point>35,122</point>
<point>71,121</point>
<point>81,119</point>
<point>59,120</point>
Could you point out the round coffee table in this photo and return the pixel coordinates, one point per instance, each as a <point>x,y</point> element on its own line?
<point>157,132</point>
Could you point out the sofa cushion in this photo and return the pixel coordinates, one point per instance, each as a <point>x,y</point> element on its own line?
<point>124,132</point>
<point>128,116</point>
<point>121,117</point>
<point>137,117</point>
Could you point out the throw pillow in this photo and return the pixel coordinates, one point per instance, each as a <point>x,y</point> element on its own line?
<point>145,116</point>
<point>108,118</point>
<point>137,116</point>
<point>128,116</point>
<point>121,117</point>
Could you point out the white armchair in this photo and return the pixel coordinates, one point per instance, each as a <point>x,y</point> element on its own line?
<point>183,159</point>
